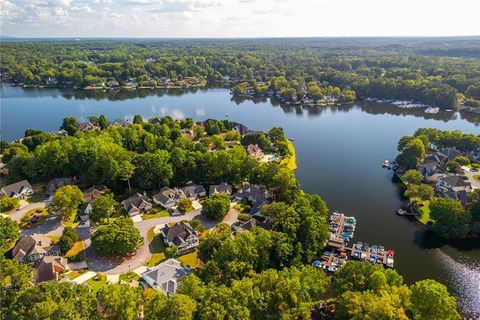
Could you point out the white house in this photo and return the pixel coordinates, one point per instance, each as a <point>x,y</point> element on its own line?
<point>18,190</point>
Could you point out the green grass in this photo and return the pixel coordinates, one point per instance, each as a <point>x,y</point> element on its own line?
<point>157,248</point>
<point>77,252</point>
<point>129,277</point>
<point>290,161</point>
<point>477,177</point>
<point>157,214</point>
<point>34,218</point>
<point>190,259</point>
<point>37,197</point>
<point>75,273</point>
<point>97,282</point>
<point>425,213</point>
<point>55,239</point>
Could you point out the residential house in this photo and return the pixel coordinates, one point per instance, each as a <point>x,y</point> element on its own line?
<point>112,83</point>
<point>436,157</point>
<point>18,190</point>
<point>193,191</point>
<point>57,183</point>
<point>252,223</point>
<point>87,126</point>
<point>167,197</point>
<point>119,123</point>
<point>51,81</point>
<point>137,204</point>
<point>164,276</point>
<point>454,187</point>
<point>89,195</point>
<point>181,235</point>
<point>155,120</point>
<point>474,156</point>
<point>223,187</point>
<point>242,129</point>
<point>452,153</point>
<point>61,132</point>
<point>34,247</point>
<point>432,171</point>
<point>256,194</point>
<point>49,268</point>
<point>254,151</point>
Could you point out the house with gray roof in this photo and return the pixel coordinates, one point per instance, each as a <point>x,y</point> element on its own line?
<point>223,187</point>
<point>432,171</point>
<point>164,277</point>
<point>57,183</point>
<point>453,187</point>
<point>119,123</point>
<point>256,194</point>
<point>137,204</point>
<point>18,190</point>
<point>193,191</point>
<point>34,247</point>
<point>168,198</point>
<point>436,157</point>
<point>181,235</point>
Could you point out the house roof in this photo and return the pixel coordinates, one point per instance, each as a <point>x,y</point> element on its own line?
<point>220,188</point>
<point>33,244</point>
<point>83,126</point>
<point>191,190</point>
<point>120,122</point>
<point>94,192</point>
<point>49,268</point>
<point>242,129</point>
<point>252,223</point>
<point>178,232</point>
<point>135,201</point>
<point>256,192</point>
<point>56,183</point>
<point>165,194</point>
<point>455,181</point>
<point>16,188</point>
<point>436,157</point>
<point>165,275</point>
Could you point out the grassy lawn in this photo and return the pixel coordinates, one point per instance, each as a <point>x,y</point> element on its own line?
<point>156,214</point>
<point>77,252</point>
<point>477,177</point>
<point>97,282</point>
<point>55,239</point>
<point>290,161</point>
<point>75,273</point>
<point>37,197</point>
<point>33,218</point>
<point>71,222</point>
<point>129,277</point>
<point>425,211</point>
<point>190,259</point>
<point>157,248</point>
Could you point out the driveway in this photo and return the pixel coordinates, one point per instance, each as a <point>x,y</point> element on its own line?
<point>19,214</point>
<point>469,174</point>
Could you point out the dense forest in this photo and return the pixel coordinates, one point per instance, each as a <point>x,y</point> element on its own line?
<point>439,72</point>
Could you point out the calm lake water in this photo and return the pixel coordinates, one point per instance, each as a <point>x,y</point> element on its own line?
<point>339,154</point>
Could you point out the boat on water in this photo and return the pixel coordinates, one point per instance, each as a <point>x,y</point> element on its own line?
<point>386,164</point>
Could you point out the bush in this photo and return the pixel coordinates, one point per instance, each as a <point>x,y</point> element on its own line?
<point>7,204</point>
<point>171,251</point>
<point>243,217</point>
<point>184,205</point>
<point>68,239</point>
<point>462,160</point>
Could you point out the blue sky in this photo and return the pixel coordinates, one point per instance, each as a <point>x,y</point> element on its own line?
<point>238,18</point>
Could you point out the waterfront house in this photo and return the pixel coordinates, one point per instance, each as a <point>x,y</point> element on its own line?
<point>181,235</point>
<point>451,153</point>
<point>49,268</point>
<point>436,157</point>
<point>223,187</point>
<point>112,83</point>
<point>254,151</point>
<point>136,204</point>
<point>164,276</point>
<point>34,247</point>
<point>432,171</point>
<point>253,223</point>
<point>57,183</point>
<point>18,190</point>
<point>256,194</point>
<point>242,129</point>
<point>119,123</point>
<point>87,126</point>
<point>453,187</point>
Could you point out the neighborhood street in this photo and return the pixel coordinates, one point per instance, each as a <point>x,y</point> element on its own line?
<point>110,265</point>
<point>19,214</point>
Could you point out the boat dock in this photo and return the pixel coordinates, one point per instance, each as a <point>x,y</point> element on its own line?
<point>339,249</point>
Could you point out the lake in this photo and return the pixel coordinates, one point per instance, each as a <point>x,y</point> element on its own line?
<point>339,155</point>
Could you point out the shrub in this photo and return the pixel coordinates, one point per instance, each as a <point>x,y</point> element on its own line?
<point>7,204</point>
<point>68,239</point>
<point>184,205</point>
<point>462,160</point>
<point>243,217</point>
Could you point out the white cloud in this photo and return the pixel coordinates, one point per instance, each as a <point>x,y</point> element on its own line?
<point>239,18</point>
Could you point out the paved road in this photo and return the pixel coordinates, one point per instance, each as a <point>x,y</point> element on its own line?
<point>115,265</point>
<point>19,214</point>
<point>475,183</point>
